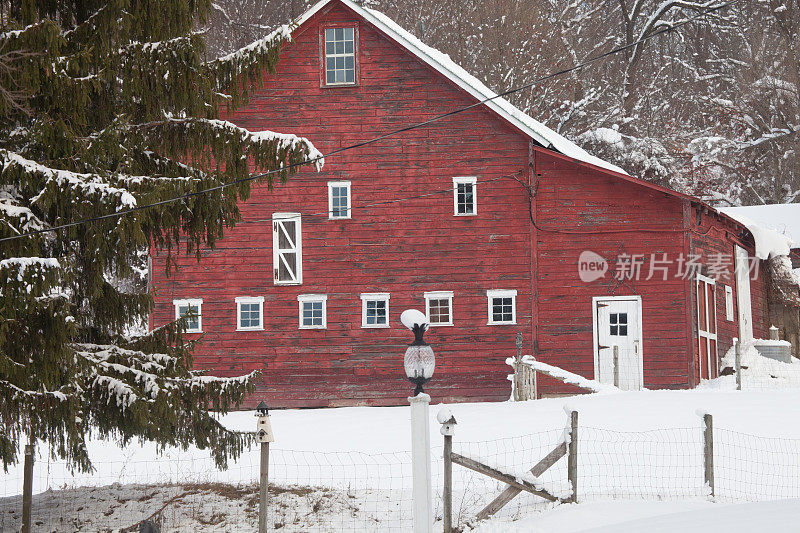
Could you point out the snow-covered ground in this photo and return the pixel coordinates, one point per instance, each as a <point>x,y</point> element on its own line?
<point>688,516</point>
<point>641,449</point>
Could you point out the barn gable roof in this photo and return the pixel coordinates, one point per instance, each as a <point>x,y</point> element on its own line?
<point>469,83</point>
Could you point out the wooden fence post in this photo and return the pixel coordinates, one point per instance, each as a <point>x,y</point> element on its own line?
<point>448,422</point>
<point>518,378</point>
<point>572,457</point>
<point>263,488</point>
<point>27,488</point>
<point>708,451</point>
<point>738,350</point>
<point>616,366</point>
<point>265,436</point>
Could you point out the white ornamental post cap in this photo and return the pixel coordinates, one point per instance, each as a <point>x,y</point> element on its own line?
<point>409,317</point>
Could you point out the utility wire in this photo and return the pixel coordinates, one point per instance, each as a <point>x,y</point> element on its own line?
<point>666,29</point>
<point>513,176</point>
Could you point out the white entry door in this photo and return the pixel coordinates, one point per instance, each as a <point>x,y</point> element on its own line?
<point>743,294</point>
<point>618,322</point>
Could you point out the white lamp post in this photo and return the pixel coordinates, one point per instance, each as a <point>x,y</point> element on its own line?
<point>419,363</point>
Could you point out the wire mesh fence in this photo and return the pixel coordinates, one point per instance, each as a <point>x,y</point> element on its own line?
<point>314,491</point>
<point>753,468</point>
<point>309,491</point>
<point>769,374</point>
<point>661,463</point>
<point>761,365</point>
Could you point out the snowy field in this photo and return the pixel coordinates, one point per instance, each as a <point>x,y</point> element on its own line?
<point>348,469</point>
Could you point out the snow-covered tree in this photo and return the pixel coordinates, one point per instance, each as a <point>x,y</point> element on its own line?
<point>710,108</point>
<point>233,24</point>
<point>107,107</point>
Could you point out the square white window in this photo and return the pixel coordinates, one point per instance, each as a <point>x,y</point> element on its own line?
<point>439,308</point>
<point>502,306</point>
<point>193,310</point>
<point>249,313</point>
<point>375,310</point>
<point>313,311</point>
<point>465,197</point>
<point>728,303</point>
<point>340,56</point>
<point>338,199</point>
<point>287,249</point>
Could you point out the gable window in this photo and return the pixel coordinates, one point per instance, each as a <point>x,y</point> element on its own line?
<point>439,308</point>
<point>502,306</point>
<point>193,310</point>
<point>287,249</point>
<point>249,313</point>
<point>313,311</point>
<point>340,56</point>
<point>375,310</point>
<point>338,199</point>
<point>464,196</point>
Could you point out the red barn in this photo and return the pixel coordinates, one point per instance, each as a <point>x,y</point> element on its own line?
<point>486,220</point>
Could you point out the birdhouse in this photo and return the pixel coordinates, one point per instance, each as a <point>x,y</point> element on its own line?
<point>264,427</point>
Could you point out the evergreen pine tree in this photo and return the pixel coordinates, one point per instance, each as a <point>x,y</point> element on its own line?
<point>106,106</point>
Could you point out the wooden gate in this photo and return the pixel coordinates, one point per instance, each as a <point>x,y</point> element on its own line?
<point>514,484</point>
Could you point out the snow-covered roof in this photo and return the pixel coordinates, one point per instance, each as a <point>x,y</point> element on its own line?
<point>469,83</point>
<point>783,218</point>
<point>775,227</point>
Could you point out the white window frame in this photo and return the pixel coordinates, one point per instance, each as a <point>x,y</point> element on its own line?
<point>501,293</point>
<point>438,295</point>
<point>729,315</point>
<point>304,298</point>
<point>465,180</point>
<point>374,297</point>
<point>345,184</point>
<point>249,300</point>
<point>705,336</point>
<point>277,220</point>
<point>326,56</point>
<point>198,302</point>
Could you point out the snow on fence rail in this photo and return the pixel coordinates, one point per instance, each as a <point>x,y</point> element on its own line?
<point>560,374</point>
<point>753,370</point>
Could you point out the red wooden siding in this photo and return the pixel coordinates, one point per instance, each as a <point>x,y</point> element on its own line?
<point>416,245</point>
<point>717,236</point>
<point>572,198</point>
<point>404,248</point>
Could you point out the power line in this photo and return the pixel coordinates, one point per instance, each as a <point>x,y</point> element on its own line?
<point>666,29</point>
<point>528,188</point>
<point>394,200</point>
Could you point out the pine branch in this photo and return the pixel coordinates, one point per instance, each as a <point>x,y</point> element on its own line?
<point>87,185</point>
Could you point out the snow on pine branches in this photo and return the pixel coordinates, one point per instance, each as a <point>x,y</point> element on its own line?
<point>106,107</point>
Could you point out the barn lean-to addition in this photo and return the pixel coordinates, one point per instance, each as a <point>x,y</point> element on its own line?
<point>479,219</point>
